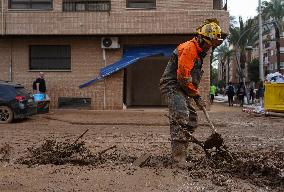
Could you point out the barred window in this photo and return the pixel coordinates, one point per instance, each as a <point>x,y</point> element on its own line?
<point>30,4</point>
<point>86,5</point>
<point>50,57</point>
<point>143,4</point>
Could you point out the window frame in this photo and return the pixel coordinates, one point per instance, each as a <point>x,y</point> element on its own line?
<point>128,2</point>
<point>30,3</point>
<point>41,68</point>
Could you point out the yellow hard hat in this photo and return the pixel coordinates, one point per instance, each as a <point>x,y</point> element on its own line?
<point>211,32</point>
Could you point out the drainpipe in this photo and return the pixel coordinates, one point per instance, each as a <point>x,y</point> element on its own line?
<point>2,17</point>
<point>104,58</point>
<point>11,60</point>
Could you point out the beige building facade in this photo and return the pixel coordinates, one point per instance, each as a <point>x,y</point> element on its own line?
<point>63,38</point>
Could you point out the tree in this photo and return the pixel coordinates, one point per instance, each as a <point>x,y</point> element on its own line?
<point>224,55</point>
<point>253,70</point>
<point>275,10</point>
<point>214,77</point>
<point>241,37</point>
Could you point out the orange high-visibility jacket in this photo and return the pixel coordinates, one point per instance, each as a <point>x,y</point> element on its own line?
<point>189,70</point>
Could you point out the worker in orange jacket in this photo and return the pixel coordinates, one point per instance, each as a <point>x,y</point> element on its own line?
<point>179,85</point>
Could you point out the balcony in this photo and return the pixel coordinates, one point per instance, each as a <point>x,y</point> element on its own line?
<point>85,5</point>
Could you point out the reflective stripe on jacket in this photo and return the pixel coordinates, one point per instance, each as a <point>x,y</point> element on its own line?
<point>189,70</point>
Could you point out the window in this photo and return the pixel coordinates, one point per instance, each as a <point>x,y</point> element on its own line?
<point>271,67</point>
<point>217,4</point>
<point>86,5</point>
<point>50,57</point>
<point>143,4</point>
<point>30,4</point>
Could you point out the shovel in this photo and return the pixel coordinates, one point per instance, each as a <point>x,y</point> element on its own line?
<point>215,139</point>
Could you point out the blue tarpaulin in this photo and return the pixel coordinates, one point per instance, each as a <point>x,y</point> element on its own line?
<point>130,56</point>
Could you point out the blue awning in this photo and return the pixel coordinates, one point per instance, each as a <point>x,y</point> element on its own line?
<point>130,56</point>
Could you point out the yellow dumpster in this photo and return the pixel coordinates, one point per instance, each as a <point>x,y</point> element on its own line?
<point>274,97</point>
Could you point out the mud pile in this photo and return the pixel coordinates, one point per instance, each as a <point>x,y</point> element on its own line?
<point>264,167</point>
<point>76,153</point>
<point>5,152</point>
<point>58,153</point>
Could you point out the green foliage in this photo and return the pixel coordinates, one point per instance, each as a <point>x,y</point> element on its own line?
<point>241,37</point>
<point>221,83</point>
<point>253,70</point>
<point>274,9</point>
<point>214,76</point>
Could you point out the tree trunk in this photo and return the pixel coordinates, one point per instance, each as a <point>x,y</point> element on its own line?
<point>228,67</point>
<point>277,38</point>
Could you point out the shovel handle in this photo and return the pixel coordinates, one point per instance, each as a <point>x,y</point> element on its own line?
<point>209,121</point>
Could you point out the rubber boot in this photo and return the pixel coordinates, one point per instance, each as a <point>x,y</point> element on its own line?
<point>179,153</point>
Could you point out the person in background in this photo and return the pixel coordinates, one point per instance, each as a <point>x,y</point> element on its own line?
<point>251,95</point>
<point>39,85</point>
<point>212,93</point>
<point>223,90</point>
<point>231,94</point>
<point>260,93</point>
<point>241,93</point>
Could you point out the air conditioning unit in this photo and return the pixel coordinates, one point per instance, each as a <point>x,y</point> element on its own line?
<point>110,43</point>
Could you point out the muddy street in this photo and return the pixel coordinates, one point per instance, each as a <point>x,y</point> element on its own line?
<point>42,154</point>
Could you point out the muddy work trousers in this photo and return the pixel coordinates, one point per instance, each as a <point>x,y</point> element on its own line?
<point>182,115</point>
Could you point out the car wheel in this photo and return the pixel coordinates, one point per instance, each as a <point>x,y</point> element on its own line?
<point>6,114</point>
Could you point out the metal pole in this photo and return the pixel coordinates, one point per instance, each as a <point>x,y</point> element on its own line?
<point>261,75</point>
<point>2,17</point>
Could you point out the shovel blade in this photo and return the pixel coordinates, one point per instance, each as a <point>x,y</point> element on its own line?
<point>215,140</point>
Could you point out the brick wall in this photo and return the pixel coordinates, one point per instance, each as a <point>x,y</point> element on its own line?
<point>170,17</point>
<point>130,22</point>
<point>170,23</point>
<point>86,61</point>
<point>165,5</point>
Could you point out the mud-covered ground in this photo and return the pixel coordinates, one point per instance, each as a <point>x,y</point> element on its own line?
<point>256,144</point>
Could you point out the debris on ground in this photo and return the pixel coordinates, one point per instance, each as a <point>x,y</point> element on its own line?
<point>275,78</point>
<point>105,160</point>
<point>58,153</point>
<point>256,109</point>
<point>5,152</point>
<point>263,168</point>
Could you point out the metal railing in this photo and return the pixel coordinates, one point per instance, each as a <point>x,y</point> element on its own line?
<point>86,5</point>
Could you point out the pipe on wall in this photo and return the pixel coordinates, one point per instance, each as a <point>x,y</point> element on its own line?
<point>104,58</point>
<point>11,61</point>
<point>2,18</point>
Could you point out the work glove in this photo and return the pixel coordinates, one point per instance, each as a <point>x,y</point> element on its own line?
<point>199,102</point>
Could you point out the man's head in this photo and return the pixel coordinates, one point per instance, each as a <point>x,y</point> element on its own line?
<point>210,32</point>
<point>41,75</point>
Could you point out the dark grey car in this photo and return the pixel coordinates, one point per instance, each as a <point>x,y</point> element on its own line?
<point>15,102</point>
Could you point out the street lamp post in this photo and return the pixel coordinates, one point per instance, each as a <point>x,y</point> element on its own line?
<point>261,75</point>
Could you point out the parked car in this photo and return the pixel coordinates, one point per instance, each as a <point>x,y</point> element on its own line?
<point>15,102</point>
